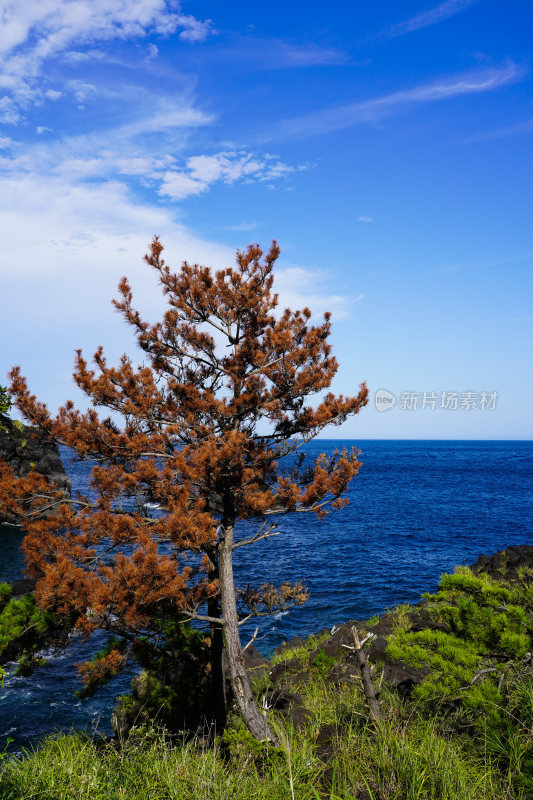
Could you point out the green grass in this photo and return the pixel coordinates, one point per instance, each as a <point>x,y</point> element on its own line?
<point>459,737</point>
<point>301,651</point>
<point>409,757</point>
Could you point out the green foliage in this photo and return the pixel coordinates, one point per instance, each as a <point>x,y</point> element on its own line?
<point>20,427</point>
<point>22,625</point>
<point>322,662</point>
<point>27,663</point>
<point>5,403</point>
<point>451,662</point>
<point>5,594</point>
<point>398,617</point>
<point>174,687</point>
<point>240,745</point>
<point>489,623</point>
<point>478,665</point>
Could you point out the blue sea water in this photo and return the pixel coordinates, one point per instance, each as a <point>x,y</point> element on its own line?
<point>417,508</point>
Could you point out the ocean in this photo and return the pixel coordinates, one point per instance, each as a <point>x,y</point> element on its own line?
<point>417,509</point>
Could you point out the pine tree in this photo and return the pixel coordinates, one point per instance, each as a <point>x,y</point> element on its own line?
<point>199,430</point>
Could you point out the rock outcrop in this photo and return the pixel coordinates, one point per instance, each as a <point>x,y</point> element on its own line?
<point>24,449</point>
<point>505,564</point>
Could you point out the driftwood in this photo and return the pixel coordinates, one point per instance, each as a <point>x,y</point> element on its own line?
<point>366,675</point>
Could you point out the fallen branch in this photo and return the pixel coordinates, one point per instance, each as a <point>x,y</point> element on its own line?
<point>366,675</point>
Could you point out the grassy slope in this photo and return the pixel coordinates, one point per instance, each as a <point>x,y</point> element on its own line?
<point>409,757</point>
<point>430,746</point>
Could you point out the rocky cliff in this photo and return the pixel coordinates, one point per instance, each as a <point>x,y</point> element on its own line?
<point>25,448</point>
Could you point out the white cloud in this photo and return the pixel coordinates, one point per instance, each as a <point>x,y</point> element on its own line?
<point>364,219</point>
<point>299,287</point>
<point>138,148</point>
<point>9,111</point>
<point>426,18</point>
<point>147,151</point>
<point>194,30</point>
<point>40,129</point>
<point>78,57</point>
<point>203,171</point>
<point>81,90</point>
<point>71,243</point>
<point>178,185</point>
<point>36,31</point>
<point>375,109</point>
<point>153,51</point>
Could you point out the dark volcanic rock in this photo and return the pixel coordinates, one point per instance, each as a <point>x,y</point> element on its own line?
<point>289,705</point>
<point>255,662</point>
<point>24,449</point>
<point>299,716</point>
<point>22,586</point>
<point>296,641</point>
<point>281,699</point>
<point>325,742</point>
<point>402,676</point>
<point>285,668</point>
<point>505,563</point>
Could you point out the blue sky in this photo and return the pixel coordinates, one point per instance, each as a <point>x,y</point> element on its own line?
<point>387,147</point>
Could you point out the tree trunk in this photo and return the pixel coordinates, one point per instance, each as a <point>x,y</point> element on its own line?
<point>240,681</point>
<point>217,649</point>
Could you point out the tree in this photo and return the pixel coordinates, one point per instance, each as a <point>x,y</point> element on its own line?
<point>5,404</point>
<point>204,422</point>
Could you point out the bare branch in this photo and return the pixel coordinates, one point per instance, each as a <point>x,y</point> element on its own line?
<point>252,640</point>
<point>264,535</point>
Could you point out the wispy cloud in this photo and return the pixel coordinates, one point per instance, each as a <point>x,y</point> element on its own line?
<point>261,53</point>
<point>518,129</point>
<point>36,31</point>
<point>146,152</point>
<point>240,226</point>
<point>426,18</point>
<point>364,218</point>
<point>140,147</point>
<point>375,109</point>
<point>475,265</point>
<point>302,286</point>
<point>284,54</point>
